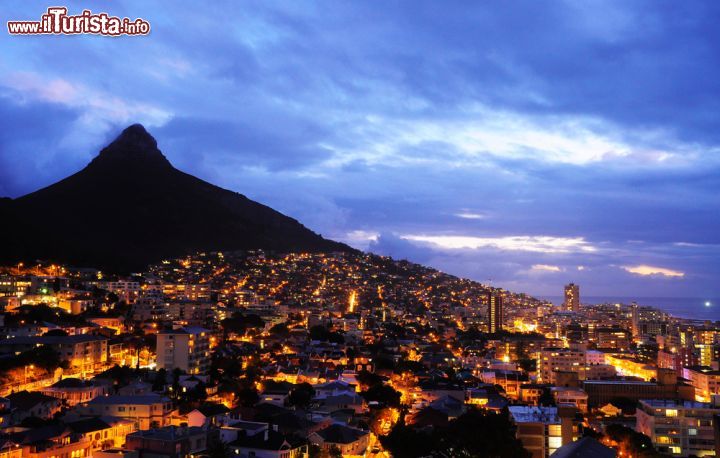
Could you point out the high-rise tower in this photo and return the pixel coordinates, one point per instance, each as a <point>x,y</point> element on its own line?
<point>495,312</point>
<point>572,297</point>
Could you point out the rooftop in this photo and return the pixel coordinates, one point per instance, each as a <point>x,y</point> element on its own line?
<point>675,404</point>
<point>88,425</point>
<point>340,434</point>
<point>531,414</point>
<point>145,399</point>
<point>185,330</point>
<point>586,447</point>
<point>619,382</point>
<point>72,383</point>
<point>52,340</point>
<point>26,400</point>
<point>169,433</point>
<point>707,370</point>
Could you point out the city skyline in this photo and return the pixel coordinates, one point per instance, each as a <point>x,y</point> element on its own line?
<point>483,143</point>
<point>360,229</point>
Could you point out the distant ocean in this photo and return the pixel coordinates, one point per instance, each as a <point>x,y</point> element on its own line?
<point>683,307</point>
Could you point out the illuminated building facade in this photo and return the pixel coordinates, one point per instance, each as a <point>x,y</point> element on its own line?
<point>572,297</point>
<point>186,348</point>
<point>83,353</point>
<point>678,428</point>
<point>542,430</point>
<point>495,313</point>
<point>705,380</point>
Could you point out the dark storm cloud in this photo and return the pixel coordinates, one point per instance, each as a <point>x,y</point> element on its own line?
<point>257,145</point>
<point>30,139</point>
<point>588,123</point>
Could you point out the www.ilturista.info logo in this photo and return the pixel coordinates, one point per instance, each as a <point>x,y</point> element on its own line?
<point>56,21</point>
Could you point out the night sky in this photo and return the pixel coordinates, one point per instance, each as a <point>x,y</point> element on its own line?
<point>527,143</point>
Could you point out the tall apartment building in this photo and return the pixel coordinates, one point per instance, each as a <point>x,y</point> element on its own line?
<point>635,319</point>
<point>612,337</point>
<point>150,306</point>
<point>676,358</point>
<point>184,291</point>
<point>11,285</point>
<point>705,380</point>
<point>678,428</point>
<point>84,353</point>
<point>555,361</point>
<point>572,297</point>
<point>704,340</point>
<point>542,430</point>
<point>127,290</point>
<point>187,349</point>
<point>495,312</point>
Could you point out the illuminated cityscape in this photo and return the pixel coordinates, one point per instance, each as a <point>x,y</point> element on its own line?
<point>358,346</point>
<point>360,229</point>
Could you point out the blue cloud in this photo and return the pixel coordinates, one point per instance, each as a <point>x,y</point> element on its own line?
<point>373,121</point>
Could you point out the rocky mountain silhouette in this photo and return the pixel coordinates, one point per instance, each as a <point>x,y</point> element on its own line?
<point>130,207</point>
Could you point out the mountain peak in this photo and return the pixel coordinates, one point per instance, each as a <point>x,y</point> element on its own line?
<point>133,145</point>
<point>130,207</point>
<point>136,135</point>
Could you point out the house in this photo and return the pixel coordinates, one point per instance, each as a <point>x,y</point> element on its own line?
<point>532,392</point>
<point>206,415</point>
<point>25,404</point>
<point>570,395</point>
<point>268,443</point>
<point>115,323</point>
<point>189,382</point>
<point>147,411</point>
<point>285,420</point>
<point>341,401</point>
<point>73,391</point>
<point>56,440</point>
<point>235,429</point>
<point>432,390</point>
<point>334,388</point>
<point>477,396</point>
<point>76,305</point>
<point>509,380</point>
<point>350,441</point>
<point>102,432</point>
<point>168,442</point>
<point>276,393</point>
